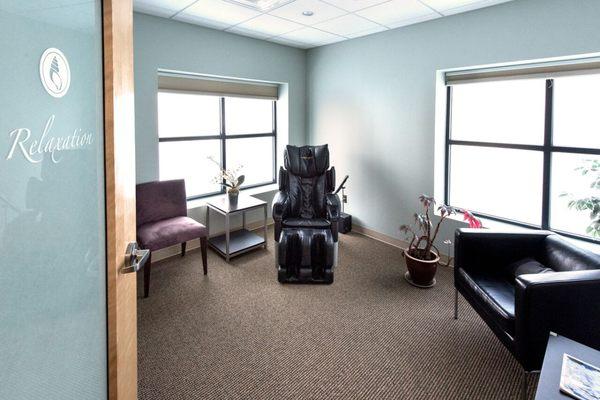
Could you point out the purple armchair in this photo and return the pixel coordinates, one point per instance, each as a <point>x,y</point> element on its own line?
<point>162,221</point>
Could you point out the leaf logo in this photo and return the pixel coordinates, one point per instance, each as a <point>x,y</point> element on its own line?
<point>55,73</point>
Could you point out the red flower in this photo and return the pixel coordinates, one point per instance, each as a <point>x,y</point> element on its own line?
<point>472,220</point>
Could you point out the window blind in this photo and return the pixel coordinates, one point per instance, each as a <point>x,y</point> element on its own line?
<point>219,87</point>
<point>532,70</point>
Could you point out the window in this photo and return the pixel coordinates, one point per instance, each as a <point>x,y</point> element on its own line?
<point>234,131</point>
<point>527,151</point>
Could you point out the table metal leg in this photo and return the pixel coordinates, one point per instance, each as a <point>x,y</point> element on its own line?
<point>227,237</point>
<point>243,219</point>
<point>265,226</point>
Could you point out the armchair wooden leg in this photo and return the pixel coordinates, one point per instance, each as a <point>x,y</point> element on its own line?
<point>147,270</point>
<point>183,245</point>
<point>203,248</point>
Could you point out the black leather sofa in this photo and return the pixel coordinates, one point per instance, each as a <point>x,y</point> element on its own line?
<point>525,285</point>
<point>306,213</point>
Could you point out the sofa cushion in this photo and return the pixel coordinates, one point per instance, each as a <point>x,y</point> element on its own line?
<point>496,294</point>
<point>317,223</point>
<point>168,232</point>
<point>525,266</point>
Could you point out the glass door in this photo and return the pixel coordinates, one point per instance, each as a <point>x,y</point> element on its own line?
<point>53,332</point>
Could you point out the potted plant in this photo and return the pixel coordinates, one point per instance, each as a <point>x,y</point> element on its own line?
<point>230,179</point>
<point>590,201</point>
<point>421,255</point>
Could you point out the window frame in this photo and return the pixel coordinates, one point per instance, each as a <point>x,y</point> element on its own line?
<point>223,137</point>
<point>547,149</point>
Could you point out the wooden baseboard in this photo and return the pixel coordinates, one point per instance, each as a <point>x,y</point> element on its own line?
<point>392,241</point>
<point>175,250</point>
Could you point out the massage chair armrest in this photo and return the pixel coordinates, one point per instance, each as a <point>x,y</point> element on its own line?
<point>333,207</point>
<point>563,302</point>
<point>483,249</point>
<point>281,205</point>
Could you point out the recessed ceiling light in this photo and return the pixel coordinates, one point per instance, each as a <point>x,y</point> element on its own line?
<point>307,13</point>
<point>260,5</point>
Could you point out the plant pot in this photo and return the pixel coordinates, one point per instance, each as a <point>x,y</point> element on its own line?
<point>233,194</point>
<point>421,273</point>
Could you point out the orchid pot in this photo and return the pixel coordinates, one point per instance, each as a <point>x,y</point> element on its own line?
<point>229,179</point>
<point>232,194</point>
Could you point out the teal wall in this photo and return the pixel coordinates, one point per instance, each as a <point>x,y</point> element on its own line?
<point>373,98</point>
<point>166,44</point>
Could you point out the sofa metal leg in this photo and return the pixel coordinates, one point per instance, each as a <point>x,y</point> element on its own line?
<point>183,246</point>
<point>524,386</point>
<point>455,303</point>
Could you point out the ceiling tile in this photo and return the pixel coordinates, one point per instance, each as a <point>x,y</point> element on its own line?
<point>396,12</point>
<point>415,20</point>
<point>347,25</point>
<point>268,25</point>
<point>218,12</point>
<point>311,36</point>
<point>333,20</point>
<point>379,28</point>
<point>247,32</point>
<point>321,11</point>
<point>208,23</point>
<point>354,5</point>
<point>161,8</point>
<point>448,7</point>
<point>288,42</point>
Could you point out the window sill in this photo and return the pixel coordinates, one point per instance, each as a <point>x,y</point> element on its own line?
<point>198,203</point>
<point>506,226</point>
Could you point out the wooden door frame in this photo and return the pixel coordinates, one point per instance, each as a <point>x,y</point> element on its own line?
<point>119,142</point>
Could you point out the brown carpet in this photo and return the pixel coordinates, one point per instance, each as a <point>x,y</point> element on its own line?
<point>238,334</point>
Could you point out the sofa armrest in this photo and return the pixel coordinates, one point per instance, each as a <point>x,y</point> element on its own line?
<point>567,303</point>
<point>281,205</point>
<point>487,249</point>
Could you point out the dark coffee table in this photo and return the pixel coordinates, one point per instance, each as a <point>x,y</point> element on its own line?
<point>233,243</point>
<point>548,386</point>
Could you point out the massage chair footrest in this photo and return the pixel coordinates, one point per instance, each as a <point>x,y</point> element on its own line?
<point>305,275</point>
<point>306,255</point>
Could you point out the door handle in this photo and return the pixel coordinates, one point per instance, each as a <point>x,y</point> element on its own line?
<point>135,258</point>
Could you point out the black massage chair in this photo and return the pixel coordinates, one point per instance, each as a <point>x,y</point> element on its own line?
<point>306,214</point>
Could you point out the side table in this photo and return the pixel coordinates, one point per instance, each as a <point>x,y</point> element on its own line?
<point>549,383</point>
<point>233,243</point>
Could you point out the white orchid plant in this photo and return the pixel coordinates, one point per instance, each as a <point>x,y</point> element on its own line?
<point>228,178</point>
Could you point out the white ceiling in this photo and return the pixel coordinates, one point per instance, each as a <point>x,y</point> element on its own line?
<point>332,20</point>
